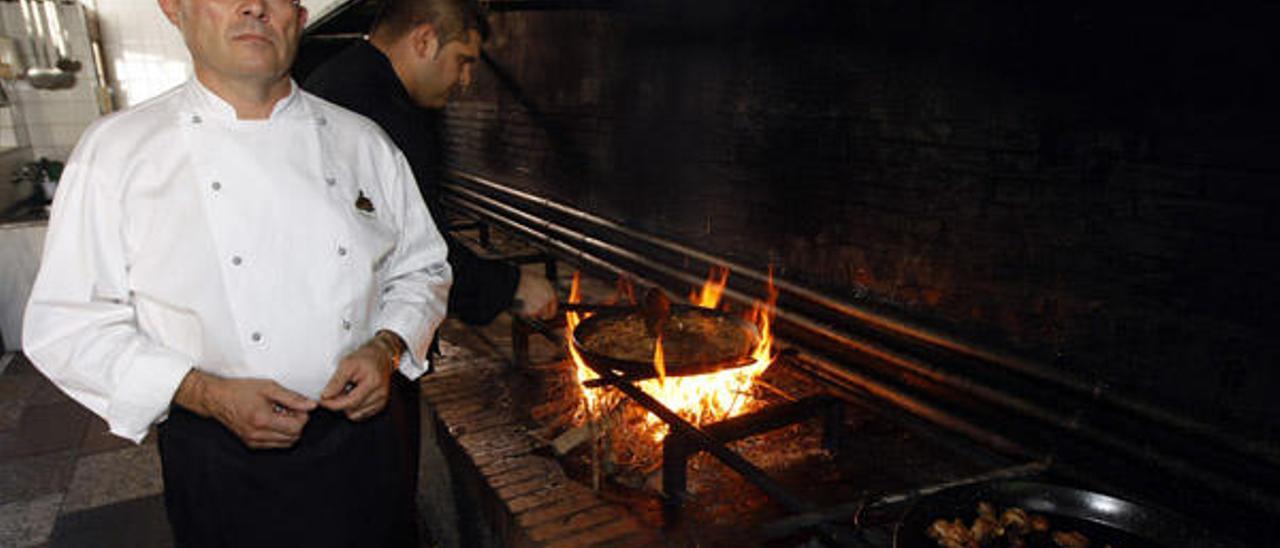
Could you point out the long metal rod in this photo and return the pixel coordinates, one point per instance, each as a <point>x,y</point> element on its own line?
<point>1027,367</point>
<point>1220,485</point>
<point>869,348</point>
<point>1139,451</point>
<point>832,372</point>
<point>843,377</point>
<point>569,252</point>
<point>1223,486</point>
<point>584,241</point>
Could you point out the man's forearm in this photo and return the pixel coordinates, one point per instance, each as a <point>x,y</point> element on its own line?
<point>193,393</point>
<point>391,343</point>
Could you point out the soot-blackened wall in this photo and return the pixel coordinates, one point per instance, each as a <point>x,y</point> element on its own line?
<point>1092,184</point>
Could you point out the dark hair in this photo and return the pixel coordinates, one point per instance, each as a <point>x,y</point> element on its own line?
<point>452,19</point>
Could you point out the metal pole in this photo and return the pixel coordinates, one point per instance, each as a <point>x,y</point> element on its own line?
<point>1140,452</point>
<point>1030,368</point>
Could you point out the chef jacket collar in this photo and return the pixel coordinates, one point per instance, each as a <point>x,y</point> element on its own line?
<point>206,103</point>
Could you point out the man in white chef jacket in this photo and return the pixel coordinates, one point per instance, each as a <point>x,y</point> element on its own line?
<point>244,265</point>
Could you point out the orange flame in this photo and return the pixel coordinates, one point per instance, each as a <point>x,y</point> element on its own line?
<point>762,315</point>
<point>723,394</point>
<point>659,361</point>
<point>701,399</point>
<point>572,319</point>
<point>712,289</point>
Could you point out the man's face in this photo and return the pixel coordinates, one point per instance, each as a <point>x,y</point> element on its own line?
<point>239,39</point>
<point>445,72</point>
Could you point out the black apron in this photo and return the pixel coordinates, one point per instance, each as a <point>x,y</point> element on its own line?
<point>344,484</point>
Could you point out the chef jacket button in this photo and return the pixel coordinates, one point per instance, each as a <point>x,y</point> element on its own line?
<point>346,324</point>
<point>256,337</point>
<point>216,186</point>
<point>342,251</point>
<point>236,260</point>
<point>330,181</point>
<point>321,121</point>
<point>195,119</point>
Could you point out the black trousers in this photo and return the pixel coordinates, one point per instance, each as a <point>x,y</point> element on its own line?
<point>344,484</point>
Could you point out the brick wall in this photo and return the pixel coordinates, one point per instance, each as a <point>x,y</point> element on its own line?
<point>1091,184</point>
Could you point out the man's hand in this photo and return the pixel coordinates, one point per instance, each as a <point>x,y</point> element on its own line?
<point>361,385</point>
<point>535,297</point>
<point>262,413</point>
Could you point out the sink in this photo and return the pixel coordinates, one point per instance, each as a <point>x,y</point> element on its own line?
<point>26,210</point>
<point>42,175</point>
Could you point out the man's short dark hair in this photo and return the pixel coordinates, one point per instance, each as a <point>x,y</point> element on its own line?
<point>452,19</point>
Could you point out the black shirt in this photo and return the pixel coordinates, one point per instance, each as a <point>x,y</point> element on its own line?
<point>360,78</point>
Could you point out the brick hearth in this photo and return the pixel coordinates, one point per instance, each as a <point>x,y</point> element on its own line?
<point>525,498</point>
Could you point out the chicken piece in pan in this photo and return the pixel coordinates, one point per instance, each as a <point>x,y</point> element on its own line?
<point>985,529</point>
<point>1015,520</point>
<point>1073,539</point>
<point>986,510</point>
<point>1014,528</point>
<point>1039,524</point>
<point>952,534</point>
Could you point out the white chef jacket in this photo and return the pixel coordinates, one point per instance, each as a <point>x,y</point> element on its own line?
<point>183,237</point>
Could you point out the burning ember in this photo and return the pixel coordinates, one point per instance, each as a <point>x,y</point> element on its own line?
<point>700,399</point>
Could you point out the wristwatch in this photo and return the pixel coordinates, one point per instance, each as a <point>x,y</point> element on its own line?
<point>392,345</point>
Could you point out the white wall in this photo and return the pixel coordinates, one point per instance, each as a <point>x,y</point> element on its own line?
<point>143,53</point>
<point>54,119</point>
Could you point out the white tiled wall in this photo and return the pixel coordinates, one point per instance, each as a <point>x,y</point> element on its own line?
<point>54,119</point>
<point>143,52</point>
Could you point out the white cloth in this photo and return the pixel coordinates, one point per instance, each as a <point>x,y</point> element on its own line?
<point>182,237</point>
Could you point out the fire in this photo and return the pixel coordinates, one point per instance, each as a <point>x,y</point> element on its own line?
<point>713,397</point>
<point>659,361</point>
<point>700,399</point>
<point>582,372</point>
<point>762,315</point>
<point>712,289</point>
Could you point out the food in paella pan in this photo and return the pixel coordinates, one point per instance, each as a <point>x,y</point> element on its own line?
<point>1013,527</point>
<point>688,336</point>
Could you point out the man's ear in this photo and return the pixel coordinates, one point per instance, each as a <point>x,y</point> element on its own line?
<point>424,40</point>
<point>170,9</point>
<point>302,17</point>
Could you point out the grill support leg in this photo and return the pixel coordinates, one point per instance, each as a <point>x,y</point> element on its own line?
<point>677,448</point>
<point>676,451</point>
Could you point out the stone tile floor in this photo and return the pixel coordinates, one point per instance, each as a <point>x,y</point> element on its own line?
<point>65,480</point>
